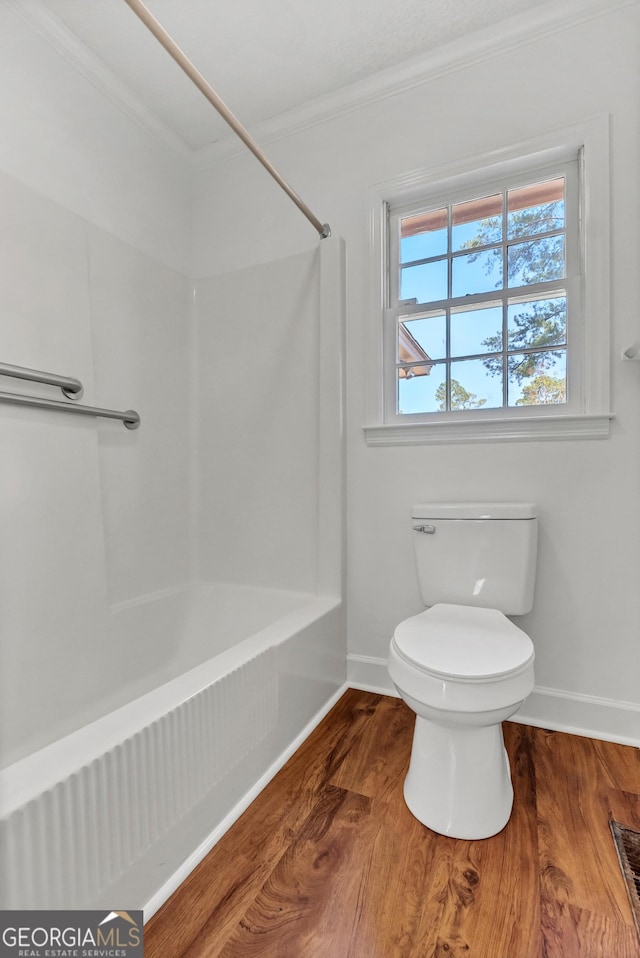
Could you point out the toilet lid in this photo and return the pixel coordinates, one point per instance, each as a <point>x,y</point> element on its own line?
<point>463,642</point>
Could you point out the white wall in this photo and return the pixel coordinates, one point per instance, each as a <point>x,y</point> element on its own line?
<point>584,625</point>
<point>142,339</point>
<point>93,241</point>
<point>97,242</point>
<point>67,141</point>
<point>258,339</point>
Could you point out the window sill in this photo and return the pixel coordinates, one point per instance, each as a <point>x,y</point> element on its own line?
<point>491,430</point>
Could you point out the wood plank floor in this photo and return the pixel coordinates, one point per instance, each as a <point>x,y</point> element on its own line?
<point>329,863</point>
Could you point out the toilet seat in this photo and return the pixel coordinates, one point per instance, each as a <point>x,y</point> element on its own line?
<point>463,643</point>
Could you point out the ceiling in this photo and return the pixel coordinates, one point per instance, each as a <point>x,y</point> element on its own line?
<point>263,57</point>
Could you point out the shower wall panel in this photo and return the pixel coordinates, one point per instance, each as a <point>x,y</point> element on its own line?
<point>52,562</point>
<point>258,338</point>
<point>94,241</point>
<point>141,326</point>
<point>91,514</point>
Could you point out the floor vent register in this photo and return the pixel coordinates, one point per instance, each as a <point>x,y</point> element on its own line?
<point>627,842</point>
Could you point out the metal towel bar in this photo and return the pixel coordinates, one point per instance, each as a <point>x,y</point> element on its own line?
<point>72,388</point>
<point>129,417</point>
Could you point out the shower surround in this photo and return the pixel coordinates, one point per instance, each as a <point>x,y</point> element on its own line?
<point>172,597</point>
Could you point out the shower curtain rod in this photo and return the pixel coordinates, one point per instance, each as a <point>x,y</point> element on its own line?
<point>196,77</point>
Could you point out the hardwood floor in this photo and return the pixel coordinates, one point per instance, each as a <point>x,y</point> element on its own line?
<point>329,863</point>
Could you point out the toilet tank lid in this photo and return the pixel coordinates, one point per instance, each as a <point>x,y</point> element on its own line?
<point>474,510</point>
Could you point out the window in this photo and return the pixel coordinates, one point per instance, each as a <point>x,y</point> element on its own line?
<point>491,327</point>
<point>479,293</point>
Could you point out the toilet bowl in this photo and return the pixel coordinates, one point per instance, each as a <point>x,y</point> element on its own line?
<point>463,670</point>
<point>463,666</point>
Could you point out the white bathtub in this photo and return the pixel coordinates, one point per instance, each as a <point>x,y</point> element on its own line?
<point>227,682</point>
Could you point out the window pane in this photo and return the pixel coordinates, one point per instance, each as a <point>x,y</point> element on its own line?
<point>536,262</point>
<point>476,330</point>
<point>538,379</point>
<point>477,222</point>
<point>423,235</point>
<point>477,273</point>
<point>536,209</point>
<point>482,310</point>
<point>422,337</point>
<point>476,384</point>
<point>538,322</point>
<point>421,389</point>
<point>426,283</point>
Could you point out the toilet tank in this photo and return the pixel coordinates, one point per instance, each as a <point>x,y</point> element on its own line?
<point>477,553</point>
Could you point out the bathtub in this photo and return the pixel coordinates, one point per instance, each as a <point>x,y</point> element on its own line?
<point>116,813</point>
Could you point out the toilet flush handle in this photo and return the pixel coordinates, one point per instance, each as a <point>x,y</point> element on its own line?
<point>430,530</point>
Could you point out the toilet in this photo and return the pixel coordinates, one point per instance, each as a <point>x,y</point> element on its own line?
<point>462,666</point>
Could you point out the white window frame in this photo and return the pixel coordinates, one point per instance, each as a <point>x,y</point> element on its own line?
<point>587,415</point>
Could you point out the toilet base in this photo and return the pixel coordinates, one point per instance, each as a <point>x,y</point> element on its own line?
<point>459,782</point>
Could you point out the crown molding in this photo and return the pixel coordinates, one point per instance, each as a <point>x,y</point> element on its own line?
<point>521,30</point>
<point>51,29</point>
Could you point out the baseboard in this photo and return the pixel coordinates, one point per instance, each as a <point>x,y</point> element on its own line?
<point>174,882</point>
<point>369,674</point>
<point>586,715</point>
<point>555,709</point>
